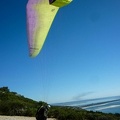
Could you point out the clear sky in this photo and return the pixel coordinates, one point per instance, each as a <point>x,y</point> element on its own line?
<point>79,60</point>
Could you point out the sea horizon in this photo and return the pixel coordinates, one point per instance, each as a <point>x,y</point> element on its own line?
<point>105,104</point>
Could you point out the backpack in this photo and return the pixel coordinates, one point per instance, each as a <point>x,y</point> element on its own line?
<point>40,113</point>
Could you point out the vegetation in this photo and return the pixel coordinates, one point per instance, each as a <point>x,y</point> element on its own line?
<point>12,103</point>
<point>70,113</point>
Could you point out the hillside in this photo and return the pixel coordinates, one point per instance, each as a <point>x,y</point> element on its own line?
<point>14,104</point>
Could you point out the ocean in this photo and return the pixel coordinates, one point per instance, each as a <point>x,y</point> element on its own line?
<point>105,105</point>
<point>110,107</point>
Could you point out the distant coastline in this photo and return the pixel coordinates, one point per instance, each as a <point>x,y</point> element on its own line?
<point>105,105</point>
<point>99,103</point>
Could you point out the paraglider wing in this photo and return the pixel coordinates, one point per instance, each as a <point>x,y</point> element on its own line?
<point>40,15</point>
<point>60,3</point>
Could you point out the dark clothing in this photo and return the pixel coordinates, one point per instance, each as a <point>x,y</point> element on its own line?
<point>41,113</point>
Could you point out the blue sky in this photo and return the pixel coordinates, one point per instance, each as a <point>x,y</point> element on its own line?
<point>79,60</point>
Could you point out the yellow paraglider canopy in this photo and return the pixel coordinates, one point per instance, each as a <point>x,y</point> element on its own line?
<point>40,15</point>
